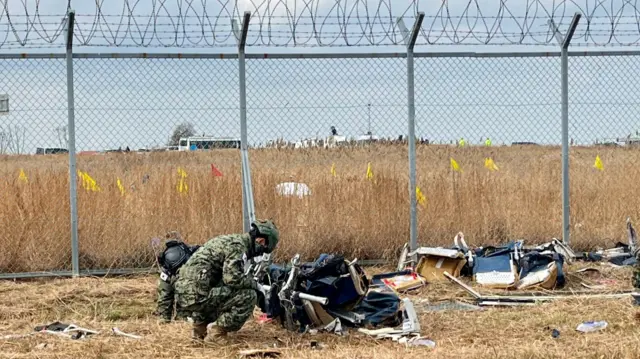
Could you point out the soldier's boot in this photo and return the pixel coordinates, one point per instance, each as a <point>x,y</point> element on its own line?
<point>199,331</point>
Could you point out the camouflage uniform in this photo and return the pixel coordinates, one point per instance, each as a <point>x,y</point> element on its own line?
<point>166,292</point>
<point>213,285</point>
<point>177,253</point>
<point>635,251</point>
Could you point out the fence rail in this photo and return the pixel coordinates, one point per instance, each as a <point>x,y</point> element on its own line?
<point>135,101</point>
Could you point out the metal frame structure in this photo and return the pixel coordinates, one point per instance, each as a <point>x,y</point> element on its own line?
<point>73,185</point>
<point>241,56</point>
<point>410,42</point>
<point>248,206</point>
<point>373,55</point>
<point>564,42</point>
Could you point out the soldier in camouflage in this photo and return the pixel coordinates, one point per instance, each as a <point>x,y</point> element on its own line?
<point>176,253</point>
<point>165,293</point>
<point>213,284</point>
<point>635,251</point>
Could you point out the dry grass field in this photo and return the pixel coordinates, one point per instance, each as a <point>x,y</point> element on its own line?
<point>128,303</point>
<point>345,214</point>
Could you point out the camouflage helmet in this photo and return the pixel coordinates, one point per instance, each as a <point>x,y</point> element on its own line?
<point>267,230</point>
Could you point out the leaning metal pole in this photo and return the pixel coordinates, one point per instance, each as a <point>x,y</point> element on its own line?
<point>73,190</point>
<point>410,41</point>
<point>248,207</point>
<point>564,42</point>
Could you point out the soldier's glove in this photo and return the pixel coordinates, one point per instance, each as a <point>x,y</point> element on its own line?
<point>254,285</point>
<point>264,292</point>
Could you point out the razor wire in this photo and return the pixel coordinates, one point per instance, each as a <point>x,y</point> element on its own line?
<point>313,23</point>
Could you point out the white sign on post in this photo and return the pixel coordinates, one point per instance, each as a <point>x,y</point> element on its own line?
<point>4,104</point>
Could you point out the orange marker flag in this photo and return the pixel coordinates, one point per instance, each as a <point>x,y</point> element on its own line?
<point>215,172</point>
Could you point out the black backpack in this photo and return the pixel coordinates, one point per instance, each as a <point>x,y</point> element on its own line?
<point>175,254</point>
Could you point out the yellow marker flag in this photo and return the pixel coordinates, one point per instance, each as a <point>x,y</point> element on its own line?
<point>488,162</point>
<point>83,176</point>
<point>333,170</point>
<point>182,185</point>
<point>598,164</point>
<point>23,177</point>
<point>88,183</point>
<point>422,200</point>
<point>455,166</point>
<point>94,185</point>
<point>91,183</point>
<point>369,171</point>
<point>120,186</point>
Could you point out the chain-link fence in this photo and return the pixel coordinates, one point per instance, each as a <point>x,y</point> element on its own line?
<point>157,141</point>
<point>603,129</point>
<point>505,99</point>
<point>34,191</point>
<point>140,109</point>
<point>311,109</point>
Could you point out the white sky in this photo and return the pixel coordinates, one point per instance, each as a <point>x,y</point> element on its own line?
<point>136,103</point>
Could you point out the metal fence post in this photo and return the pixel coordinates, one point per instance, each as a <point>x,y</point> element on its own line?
<point>73,193</point>
<point>564,42</point>
<point>248,207</point>
<point>410,41</point>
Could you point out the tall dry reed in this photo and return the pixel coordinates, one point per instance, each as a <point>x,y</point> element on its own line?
<point>345,214</point>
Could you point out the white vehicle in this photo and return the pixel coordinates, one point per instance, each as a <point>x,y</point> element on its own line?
<point>195,143</point>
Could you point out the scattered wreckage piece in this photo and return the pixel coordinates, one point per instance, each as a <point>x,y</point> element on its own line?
<point>70,331</point>
<point>119,332</point>
<point>557,246</point>
<point>496,271</point>
<point>410,325</point>
<point>417,341</point>
<point>434,262</point>
<point>310,296</point>
<point>511,266</point>
<point>592,326</point>
<point>403,282</point>
<point>498,300</point>
<point>631,236</point>
<point>335,327</point>
<point>272,353</point>
<point>404,261</point>
<point>620,255</point>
